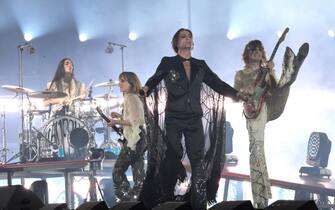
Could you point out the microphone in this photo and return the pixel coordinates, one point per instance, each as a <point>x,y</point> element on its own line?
<point>117,44</point>
<point>29,47</point>
<point>25,45</point>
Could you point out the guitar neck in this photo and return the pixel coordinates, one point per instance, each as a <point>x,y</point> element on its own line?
<point>274,51</point>
<point>280,40</point>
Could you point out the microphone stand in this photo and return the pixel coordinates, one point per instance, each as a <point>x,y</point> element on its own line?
<point>122,60</point>
<point>122,46</point>
<point>20,50</point>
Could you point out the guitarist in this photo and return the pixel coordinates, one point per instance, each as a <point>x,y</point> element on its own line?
<point>246,81</point>
<point>258,80</point>
<point>132,152</point>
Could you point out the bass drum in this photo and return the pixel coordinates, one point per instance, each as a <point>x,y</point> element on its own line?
<point>68,133</point>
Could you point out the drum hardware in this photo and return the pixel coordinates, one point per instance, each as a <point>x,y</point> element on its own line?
<point>47,94</point>
<point>107,96</point>
<point>17,89</point>
<point>28,46</point>
<point>4,149</point>
<point>39,112</point>
<point>108,84</point>
<point>95,158</point>
<point>51,153</point>
<point>111,148</point>
<point>25,137</point>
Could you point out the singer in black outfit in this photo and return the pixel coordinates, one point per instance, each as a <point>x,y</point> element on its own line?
<point>183,76</point>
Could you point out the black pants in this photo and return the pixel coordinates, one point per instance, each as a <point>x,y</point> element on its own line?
<point>135,159</point>
<point>192,129</point>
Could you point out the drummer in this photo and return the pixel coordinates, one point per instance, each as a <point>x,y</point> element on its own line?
<point>64,81</point>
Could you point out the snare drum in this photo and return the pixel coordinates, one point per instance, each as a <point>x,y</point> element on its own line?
<point>68,132</point>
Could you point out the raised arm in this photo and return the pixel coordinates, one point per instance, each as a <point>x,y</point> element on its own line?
<point>219,86</point>
<point>157,77</point>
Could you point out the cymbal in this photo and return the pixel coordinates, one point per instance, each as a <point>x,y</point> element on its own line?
<point>107,96</point>
<point>37,112</point>
<point>107,84</point>
<point>17,89</point>
<point>47,94</point>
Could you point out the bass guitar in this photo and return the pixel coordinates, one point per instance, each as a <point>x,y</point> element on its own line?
<point>252,108</point>
<point>118,130</point>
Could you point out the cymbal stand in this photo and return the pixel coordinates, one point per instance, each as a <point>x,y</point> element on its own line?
<point>92,191</point>
<point>4,149</point>
<point>29,132</point>
<point>20,55</point>
<point>40,135</point>
<point>107,136</point>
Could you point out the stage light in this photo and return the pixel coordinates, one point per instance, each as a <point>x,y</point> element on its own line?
<point>82,37</point>
<point>318,150</point>
<point>28,37</point>
<point>231,35</point>
<point>331,33</point>
<point>132,36</point>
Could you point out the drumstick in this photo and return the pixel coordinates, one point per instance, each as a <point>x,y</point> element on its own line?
<point>75,98</point>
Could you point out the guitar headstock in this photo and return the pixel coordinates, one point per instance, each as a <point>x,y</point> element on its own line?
<point>283,35</point>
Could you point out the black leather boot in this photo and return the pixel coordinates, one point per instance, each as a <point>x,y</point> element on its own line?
<point>299,59</point>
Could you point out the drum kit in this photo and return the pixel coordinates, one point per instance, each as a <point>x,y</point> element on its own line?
<point>69,135</point>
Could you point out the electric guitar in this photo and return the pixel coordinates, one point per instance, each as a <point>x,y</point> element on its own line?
<point>252,108</point>
<point>118,130</point>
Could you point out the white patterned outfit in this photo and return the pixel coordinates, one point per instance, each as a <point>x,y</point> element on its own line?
<point>260,183</point>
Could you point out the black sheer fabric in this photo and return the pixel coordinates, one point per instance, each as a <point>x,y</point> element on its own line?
<point>214,129</point>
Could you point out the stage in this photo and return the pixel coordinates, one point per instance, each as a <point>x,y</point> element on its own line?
<point>68,169</point>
